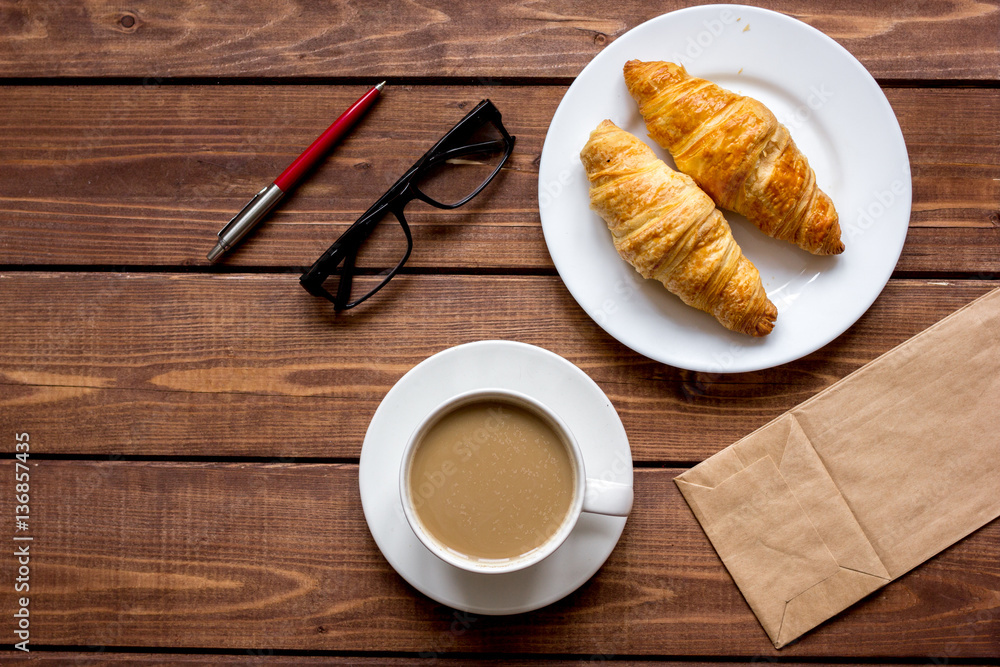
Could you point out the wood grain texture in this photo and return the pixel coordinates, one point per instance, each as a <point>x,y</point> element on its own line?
<point>154,364</point>
<point>99,658</point>
<point>254,556</point>
<point>954,39</point>
<point>269,554</point>
<point>105,658</point>
<point>134,175</point>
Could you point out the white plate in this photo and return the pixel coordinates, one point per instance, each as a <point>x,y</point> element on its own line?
<point>840,120</point>
<point>531,370</point>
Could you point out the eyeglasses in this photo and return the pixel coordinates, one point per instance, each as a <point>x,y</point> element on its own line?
<point>451,173</point>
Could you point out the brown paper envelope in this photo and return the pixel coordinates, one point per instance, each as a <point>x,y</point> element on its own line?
<point>864,481</point>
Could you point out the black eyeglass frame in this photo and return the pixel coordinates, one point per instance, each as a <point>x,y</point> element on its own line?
<point>344,250</point>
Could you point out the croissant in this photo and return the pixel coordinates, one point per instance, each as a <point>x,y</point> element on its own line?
<point>668,229</point>
<point>738,152</point>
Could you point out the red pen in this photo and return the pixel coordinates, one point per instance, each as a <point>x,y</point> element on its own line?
<point>262,204</point>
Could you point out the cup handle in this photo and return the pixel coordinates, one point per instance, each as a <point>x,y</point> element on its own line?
<point>609,498</point>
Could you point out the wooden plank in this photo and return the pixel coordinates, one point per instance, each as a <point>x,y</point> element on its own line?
<point>132,175</point>
<point>166,364</point>
<point>254,556</point>
<point>98,658</point>
<point>253,38</point>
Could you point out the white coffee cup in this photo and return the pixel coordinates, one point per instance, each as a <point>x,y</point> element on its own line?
<point>589,495</point>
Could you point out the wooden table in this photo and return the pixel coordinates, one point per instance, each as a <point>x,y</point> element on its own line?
<point>195,430</point>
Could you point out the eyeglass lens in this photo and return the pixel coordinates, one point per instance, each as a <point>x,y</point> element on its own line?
<point>377,256</point>
<point>382,250</point>
<point>462,165</point>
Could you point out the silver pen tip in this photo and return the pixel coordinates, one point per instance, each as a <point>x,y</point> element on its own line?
<point>216,251</point>
<point>380,86</point>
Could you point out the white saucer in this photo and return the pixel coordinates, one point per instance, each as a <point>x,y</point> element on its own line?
<point>509,365</point>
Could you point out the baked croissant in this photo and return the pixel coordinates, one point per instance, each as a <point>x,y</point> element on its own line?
<point>738,152</point>
<point>668,229</point>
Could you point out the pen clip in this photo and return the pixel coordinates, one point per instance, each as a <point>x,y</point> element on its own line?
<point>243,210</point>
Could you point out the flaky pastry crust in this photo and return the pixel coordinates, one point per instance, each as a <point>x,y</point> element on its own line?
<point>737,151</point>
<point>668,229</point>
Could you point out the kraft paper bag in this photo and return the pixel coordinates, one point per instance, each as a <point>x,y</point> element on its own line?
<point>864,481</point>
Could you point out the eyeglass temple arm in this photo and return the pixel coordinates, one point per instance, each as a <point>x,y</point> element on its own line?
<point>346,278</point>
<point>345,247</point>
